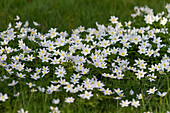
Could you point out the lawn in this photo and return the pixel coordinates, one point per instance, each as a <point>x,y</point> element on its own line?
<point>70,14</point>
<point>103,64</point>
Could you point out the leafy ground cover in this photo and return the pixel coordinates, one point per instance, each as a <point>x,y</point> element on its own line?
<point>116,67</point>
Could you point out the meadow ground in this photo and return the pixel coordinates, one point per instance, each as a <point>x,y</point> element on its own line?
<point>70,14</point>
<point>66,15</point>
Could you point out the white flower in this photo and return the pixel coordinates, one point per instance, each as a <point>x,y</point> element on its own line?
<point>117,98</point>
<point>114,19</point>
<point>3,97</point>
<point>87,95</point>
<point>139,96</point>
<point>148,112</point>
<point>17,18</point>
<point>69,87</point>
<point>20,75</point>
<point>30,58</point>
<point>163,21</point>
<point>34,76</point>
<point>140,74</point>
<point>30,85</point>
<point>17,94</point>
<point>13,83</point>
<point>168,50</point>
<point>69,100</point>
<point>123,52</point>
<point>152,77</point>
<point>151,91</point>
<point>26,24</point>
<point>131,92</point>
<point>41,89</point>
<point>86,50</point>
<point>54,110</point>
<point>149,19</point>
<point>56,101</point>
<point>80,88</point>
<point>18,24</point>
<point>149,52</point>
<point>35,23</point>
<point>161,94</point>
<point>125,103</point>
<point>118,91</point>
<point>22,111</point>
<point>60,71</point>
<point>107,92</point>
<point>135,103</point>
<point>128,24</point>
<point>89,38</point>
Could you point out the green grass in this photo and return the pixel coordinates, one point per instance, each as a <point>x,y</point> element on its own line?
<point>66,15</point>
<point>70,14</point>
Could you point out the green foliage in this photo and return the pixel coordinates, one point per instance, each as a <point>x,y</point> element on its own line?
<point>67,15</point>
<point>70,14</point>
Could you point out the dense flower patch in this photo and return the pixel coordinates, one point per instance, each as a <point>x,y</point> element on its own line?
<point>88,62</point>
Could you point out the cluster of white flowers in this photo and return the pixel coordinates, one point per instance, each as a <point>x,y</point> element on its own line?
<point>107,47</point>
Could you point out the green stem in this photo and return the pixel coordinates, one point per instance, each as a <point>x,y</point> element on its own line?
<point>30,98</point>
<point>143,104</point>
<point>117,104</point>
<point>161,101</point>
<point>15,106</point>
<point>45,102</point>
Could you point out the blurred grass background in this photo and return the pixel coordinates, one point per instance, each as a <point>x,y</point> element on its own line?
<point>70,14</point>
